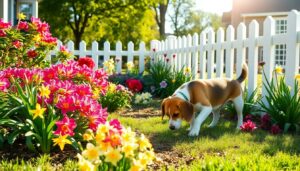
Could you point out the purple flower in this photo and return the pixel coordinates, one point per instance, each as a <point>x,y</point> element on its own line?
<point>163,84</point>
<point>120,87</point>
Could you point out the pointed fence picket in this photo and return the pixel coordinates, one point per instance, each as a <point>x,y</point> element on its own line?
<point>209,54</point>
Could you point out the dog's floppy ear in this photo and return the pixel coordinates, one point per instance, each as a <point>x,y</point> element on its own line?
<point>163,103</point>
<point>186,109</point>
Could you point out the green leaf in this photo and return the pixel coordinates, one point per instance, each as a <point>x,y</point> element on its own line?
<point>29,133</point>
<point>13,136</point>
<point>29,144</point>
<point>286,127</point>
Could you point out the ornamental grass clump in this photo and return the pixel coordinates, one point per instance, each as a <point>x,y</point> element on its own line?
<point>113,147</point>
<point>282,103</point>
<point>52,105</point>
<point>27,44</point>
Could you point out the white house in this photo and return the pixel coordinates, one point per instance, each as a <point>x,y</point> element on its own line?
<point>10,8</point>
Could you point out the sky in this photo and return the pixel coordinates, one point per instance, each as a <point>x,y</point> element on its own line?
<point>213,6</point>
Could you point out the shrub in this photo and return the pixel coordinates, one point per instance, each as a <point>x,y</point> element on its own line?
<point>163,80</point>
<point>282,105</point>
<point>116,97</point>
<point>114,147</point>
<point>62,98</point>
<point>143,98</point>
<point>251,103</point>
<point>27,44</point>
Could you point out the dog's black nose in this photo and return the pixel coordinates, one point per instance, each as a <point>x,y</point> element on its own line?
<point>172,127</point>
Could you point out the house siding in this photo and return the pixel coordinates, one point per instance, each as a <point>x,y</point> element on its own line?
<point>260,6</point>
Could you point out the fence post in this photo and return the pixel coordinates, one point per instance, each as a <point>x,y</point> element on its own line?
<point>253,56</point>
<point>142,51</point>
<point>119,57</point>
<point>292,47</point>
<point>202,55</point>
<point>195,56</point>
<point>106,53</point>
<point>188,47</point>
<point>170,47</point>
<point>82,49</point>
<point>70,47</point>
<point>240,48</point>
<point>268,52</point>
<point>210,53</point>
<point>220,53</point>
<point>229,51</point>
<point>95,48</point>
<point>130,48</point>
<point>183,54</point>
<point>179,53</point>
<point>153,50</point>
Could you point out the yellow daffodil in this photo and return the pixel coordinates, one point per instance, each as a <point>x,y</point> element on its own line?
<point>278,69</point>
<point>87,136</point>
<point>85,165</point>
<point>96,93</point>
<point>44,91</point>
<point>38,112</point>
<point>104,147</point>
<point>113,156</point>
<point>130,66</point>
<point>61,141</point>
<point>37,38</point>
<point>136,166</point>
<point>128,136</point>
<point>112,87</point>
<point>144,159</point>
<point>297,77</point>
<point>187,70</point>
<point>21,16</point>
<point>103,128</point>
<point>99,138</point>
<point>92,153</point>
<point>109,66</point>
<point>128,149</point>
<point>144,142</point>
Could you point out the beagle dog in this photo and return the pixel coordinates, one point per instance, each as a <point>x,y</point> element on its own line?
<point>195,100</point>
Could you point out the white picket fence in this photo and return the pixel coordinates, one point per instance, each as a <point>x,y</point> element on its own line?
<point>201,53</point>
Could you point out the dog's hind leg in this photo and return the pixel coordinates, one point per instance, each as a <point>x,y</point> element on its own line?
<point>239,104</point>
<point>216,117</point>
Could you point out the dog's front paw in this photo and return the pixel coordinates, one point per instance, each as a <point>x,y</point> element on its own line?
<point>193,133</point>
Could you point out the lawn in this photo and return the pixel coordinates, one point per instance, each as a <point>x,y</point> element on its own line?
<point>219,148</point>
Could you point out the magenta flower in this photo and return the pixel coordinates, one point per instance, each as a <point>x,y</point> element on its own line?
<point>248,117</point>
<point>4,25</point>
<point>120,87</point>
<point>66,104</point>
<point>65,127</point>
<point>163,84</point>
<point>17,44</point>
<point>23,25</point>
<point>2,33</point>
<point>275,129</point>
<point>116,124</point>
<point>4,84</point>
<point>248,126</point>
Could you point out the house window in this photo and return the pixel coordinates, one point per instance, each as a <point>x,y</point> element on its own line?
<point>27,9</point>
<point>280,50</point>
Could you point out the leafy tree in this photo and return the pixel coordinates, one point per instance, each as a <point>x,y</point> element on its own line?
<point>160,7</point>
<point>77,17</point>
<point>196,22</point>
<point>181,11</point>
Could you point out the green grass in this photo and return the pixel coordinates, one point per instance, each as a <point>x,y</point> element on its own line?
<point>42,163</point>
<point>222,147</point>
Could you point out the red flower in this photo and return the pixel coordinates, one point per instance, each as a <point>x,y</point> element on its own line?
<point>65,126</point>
<point>275,129</point>
<point>2,33</point>
<point>134,85</point>
<point>86,61</point>
<point>4,25</point>
<point>153,49</point>
<point>17,44</point>
<point>23,26</point>
<point>248,126</point>
<point>165,55</point>
<point>174,56</point>
<point>262,63</point>
<point>167,59</point>
<point>32,54</point>
<point>116,124</point>
<point>265,122</point>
